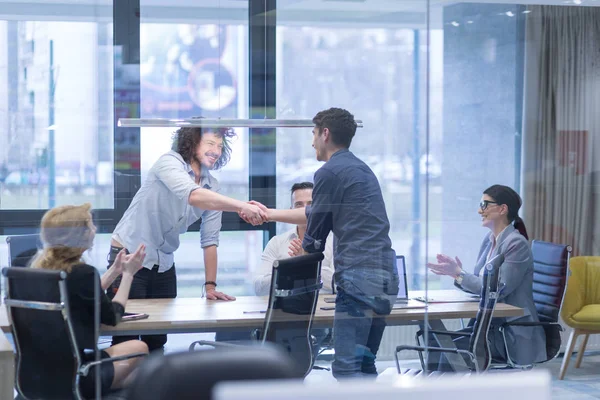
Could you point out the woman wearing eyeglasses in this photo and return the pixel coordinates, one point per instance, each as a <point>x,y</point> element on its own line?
<point>499,210</point>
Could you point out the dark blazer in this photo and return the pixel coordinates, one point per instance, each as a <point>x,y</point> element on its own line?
<point>525,344</point>
<point>80,285</point>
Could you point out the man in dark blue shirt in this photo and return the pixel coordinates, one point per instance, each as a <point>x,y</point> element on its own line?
<point>347,200</point>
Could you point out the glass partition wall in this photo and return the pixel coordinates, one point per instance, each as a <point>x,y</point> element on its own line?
<point>454,98</point>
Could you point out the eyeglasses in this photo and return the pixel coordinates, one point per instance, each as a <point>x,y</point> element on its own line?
<point>485,203</point>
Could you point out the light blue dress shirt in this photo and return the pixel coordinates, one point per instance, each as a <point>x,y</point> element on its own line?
<point>159,212</point>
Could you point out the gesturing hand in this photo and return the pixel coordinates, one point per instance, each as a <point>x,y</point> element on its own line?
<point>295,248</point>
<point>254,213</point>
<point>446,266</point>
<point>130,263</point>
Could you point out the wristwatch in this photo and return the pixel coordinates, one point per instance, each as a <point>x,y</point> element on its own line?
<point>459,277</point>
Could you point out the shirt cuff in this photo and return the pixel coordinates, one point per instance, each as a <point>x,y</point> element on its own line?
<point>311,245</point>
<point>119,311</point>
<point>209,242</point>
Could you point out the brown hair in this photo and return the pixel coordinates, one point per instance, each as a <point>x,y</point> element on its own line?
<point>66,232</point>
<point>341,125</point>
<point>186,139</point>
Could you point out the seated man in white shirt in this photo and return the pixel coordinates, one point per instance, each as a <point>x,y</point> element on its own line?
<point>289,244</point>
<point>286,245</point>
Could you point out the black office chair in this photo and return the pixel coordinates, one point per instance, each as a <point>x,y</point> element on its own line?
<point>192,375</point>
<point>22,248</point>
<point>478,356</point>
<point>550,271</point>
<point>295,285</point>
<point>48,362</point>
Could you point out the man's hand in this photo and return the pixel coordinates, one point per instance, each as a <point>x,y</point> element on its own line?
<point>254,213</point>
<point>295,248</point>
<point>212,294</point>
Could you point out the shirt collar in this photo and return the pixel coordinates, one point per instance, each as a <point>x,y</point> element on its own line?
<point>206,179</point>
<point>293,233</point>
<point>342,151</point>
<point>504,234</point>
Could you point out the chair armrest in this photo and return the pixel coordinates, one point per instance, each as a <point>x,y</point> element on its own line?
<point>448,333</point>
<point>421,349</point>
<point>532,324</point>
<point>85,368</point>
<point>213,344</point>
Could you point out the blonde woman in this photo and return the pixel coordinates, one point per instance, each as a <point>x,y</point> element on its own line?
<point>67,232</point>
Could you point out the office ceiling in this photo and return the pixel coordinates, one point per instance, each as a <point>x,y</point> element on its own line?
<point>376,13</point>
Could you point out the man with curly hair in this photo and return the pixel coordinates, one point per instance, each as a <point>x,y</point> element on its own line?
<point>178,191</point>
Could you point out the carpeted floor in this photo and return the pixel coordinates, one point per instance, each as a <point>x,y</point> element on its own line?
<point>579,383</point>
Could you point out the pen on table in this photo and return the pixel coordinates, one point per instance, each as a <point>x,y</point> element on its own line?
<point>255,312</point>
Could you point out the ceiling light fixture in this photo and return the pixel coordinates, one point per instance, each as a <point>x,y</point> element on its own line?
<point>217,123</point>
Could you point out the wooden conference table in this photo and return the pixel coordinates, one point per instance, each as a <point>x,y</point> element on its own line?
<point>194,315</point>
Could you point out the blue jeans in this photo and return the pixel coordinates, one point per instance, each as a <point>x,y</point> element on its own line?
<point>357,333</point>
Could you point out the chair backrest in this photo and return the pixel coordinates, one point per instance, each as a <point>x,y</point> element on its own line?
<point>550,271</point>
<point>192,375</point>
<point>582,289</point>
<point>47,355</point>
<point>479,343</point>
<point>295,285</point>
<point>22,248</point>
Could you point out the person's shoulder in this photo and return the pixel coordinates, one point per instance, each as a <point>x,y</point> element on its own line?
<point>347,162</point>
<point>326,172</point>
<point>359,163</point>
<point>82,270</point>
<point>284,237</point>
<point>170,158</point>
<point>516,239</point>
<point>81,276</point>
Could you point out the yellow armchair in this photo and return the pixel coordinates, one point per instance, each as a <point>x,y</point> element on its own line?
<point>581,306</point>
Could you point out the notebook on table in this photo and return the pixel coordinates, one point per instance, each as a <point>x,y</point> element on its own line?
<point>448,296</point>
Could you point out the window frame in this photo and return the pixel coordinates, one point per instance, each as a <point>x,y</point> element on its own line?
<point>126,35</point>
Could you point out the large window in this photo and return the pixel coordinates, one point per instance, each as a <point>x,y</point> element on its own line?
<point>239,255</point>
<point>55,114</point>
<point>194,66</point>
<point>371,70</point>
<point>195,69</point>
<point>482,100</point>
<point>429,162</point>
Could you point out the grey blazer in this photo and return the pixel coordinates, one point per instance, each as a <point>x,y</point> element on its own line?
<point>525,344</point>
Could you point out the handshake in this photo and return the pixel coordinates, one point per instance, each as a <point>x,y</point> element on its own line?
<point>255,213</point>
